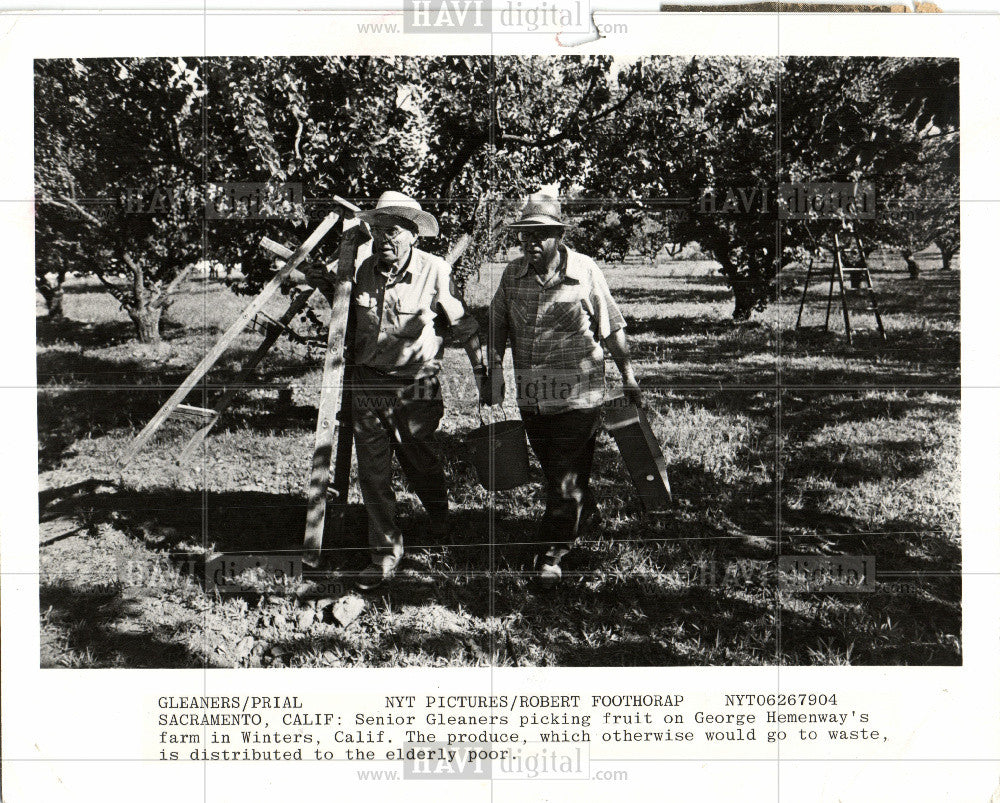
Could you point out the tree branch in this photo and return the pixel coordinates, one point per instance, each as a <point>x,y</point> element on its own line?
<point>552,139</point>
<point>120,295</point>
<point>66,202</point>
<point>163,296</point>
<point>138,285</point>
<point>465,153</point>
<point>298,140</point>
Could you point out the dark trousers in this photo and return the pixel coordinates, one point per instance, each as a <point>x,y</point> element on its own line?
<point>391,416</point>
<point>564,443</point>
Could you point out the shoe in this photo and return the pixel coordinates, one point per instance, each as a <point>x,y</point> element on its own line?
<point>547,564</point>
<point>381,569</point>
<point>549,575</point>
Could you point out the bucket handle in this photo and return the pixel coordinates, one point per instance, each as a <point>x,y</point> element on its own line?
<point>502,411</point>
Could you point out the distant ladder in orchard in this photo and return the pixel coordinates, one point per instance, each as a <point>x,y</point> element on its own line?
<point>860,277</point>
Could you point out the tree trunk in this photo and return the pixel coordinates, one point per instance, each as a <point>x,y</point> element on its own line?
<point>53,298</point>
<point>55,303</point>
<point>142,307</point>
<point>52,294</point>
<point>742,292</point>
<point>946,255</point>
<point>911,264</point>
<point>147,323</point>
<point>745,300</point>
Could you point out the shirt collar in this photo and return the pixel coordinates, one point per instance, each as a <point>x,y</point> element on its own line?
<point>402,274</point>
<point>571,271</point>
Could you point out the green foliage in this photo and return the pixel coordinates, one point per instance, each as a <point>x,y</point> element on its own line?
<point>118,173</point>
<point>888,124</point>
<point>645,152</point>
<point>702,130</point>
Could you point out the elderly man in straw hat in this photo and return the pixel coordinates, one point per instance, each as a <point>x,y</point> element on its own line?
<point>398,292</point>
<point>554,307</point>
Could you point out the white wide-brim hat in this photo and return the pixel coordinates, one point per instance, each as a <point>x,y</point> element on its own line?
<point>397,204</point>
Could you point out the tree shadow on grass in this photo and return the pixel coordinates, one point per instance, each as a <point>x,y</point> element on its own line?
<point>932,295</point>
<point>131,364</point>
<point>92,625</point>
<point>909,614</point>
<point>899,546</point>
<point>250,522</point>
<point>674,295</point>
<point>172,521</point>
<point>889,628</point>
<point>847,462</point>
<point>272,414</point>
<point>910,357</point>
<point>393,647</point>
<point>805,411</point>
<point>913,615</point>
<point>627,618</point>
<point>705,327</point>
<point>634,621</point>
<point>637,616</point>
<point>843,405</point>
<point>85,334</point>
<point>847,466</point>
<point>76,368</point>
<point>67,416</point>
<point>181,521</point>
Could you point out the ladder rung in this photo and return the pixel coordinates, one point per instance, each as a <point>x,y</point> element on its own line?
<point>276,248</point>
<point>191,413</point>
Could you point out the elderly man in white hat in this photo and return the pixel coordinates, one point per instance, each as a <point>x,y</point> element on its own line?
<point>554,307</point>
<point>398,293</point>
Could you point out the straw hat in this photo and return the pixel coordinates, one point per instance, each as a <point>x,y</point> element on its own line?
<point>397,204</point>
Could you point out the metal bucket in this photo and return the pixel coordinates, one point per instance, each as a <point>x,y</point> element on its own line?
<point>499,453</point>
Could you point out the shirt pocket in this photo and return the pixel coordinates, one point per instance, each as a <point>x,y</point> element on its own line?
<point>566,315</point>
<point>408,321</point>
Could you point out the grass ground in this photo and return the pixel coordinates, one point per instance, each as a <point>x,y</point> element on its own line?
<point>779,442</point>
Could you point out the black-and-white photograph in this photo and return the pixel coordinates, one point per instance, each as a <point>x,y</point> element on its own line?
<point>501,361</point>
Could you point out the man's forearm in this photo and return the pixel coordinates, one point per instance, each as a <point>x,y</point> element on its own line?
<point>618,349</point>
<point>496,347</point>
<point>474,348</point>
<point>465,333</point>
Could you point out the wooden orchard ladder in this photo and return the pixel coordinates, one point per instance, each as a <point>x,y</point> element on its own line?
<point>334,419</point>
<point>173,405</point>
<point>334,412</point>
<point>865,280</point>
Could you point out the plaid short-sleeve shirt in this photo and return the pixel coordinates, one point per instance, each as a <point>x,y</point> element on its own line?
<point>555,331</point>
